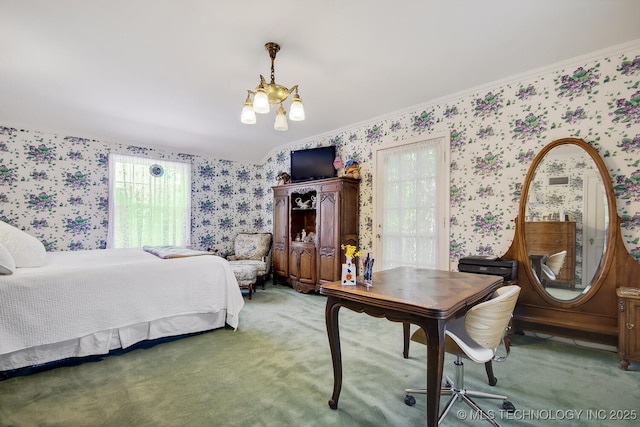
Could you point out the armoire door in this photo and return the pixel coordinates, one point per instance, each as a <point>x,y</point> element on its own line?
<point>281,235</point>
<point>329,236</point>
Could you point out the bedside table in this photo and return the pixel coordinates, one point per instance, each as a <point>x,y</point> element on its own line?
<point>629,325</point>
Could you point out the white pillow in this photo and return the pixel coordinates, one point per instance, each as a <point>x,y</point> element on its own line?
<point>26,250</point>
<point>7,264</point>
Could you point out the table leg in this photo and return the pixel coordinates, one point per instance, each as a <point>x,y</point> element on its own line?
<point>406,335</point>
<point>434,328</point>
<point>331,319</point>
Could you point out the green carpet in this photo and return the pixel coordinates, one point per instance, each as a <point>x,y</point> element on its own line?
<point>275,370</point>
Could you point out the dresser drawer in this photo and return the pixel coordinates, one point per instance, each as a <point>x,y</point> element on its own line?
<point>547,239</point>
<point>549,227</point>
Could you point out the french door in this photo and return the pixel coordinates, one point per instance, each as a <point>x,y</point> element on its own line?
<point>411,195</point>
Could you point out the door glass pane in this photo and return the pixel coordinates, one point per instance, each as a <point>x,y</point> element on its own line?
<point>408,216</point>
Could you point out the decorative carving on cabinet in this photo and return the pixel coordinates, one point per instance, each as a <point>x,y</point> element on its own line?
<point>327,251</point>
<point>302,190</point>
<point>588,312</point>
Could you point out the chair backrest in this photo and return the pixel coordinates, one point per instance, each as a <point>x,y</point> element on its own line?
<point>253,246</point>
<point>555,261</point>
<point>487,322</point>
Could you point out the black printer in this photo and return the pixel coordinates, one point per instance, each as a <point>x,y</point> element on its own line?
<point>507,268</point>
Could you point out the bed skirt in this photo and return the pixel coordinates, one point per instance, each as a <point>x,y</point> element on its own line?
<point>104,341</point>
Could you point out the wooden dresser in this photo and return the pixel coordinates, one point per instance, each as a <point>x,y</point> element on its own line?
<point>549,237</point>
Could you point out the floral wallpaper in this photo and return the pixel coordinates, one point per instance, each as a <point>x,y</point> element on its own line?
<point>495,133</point>
<point>56,187</point>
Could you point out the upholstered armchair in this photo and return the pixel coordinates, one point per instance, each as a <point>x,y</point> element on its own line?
<point>253,249</point>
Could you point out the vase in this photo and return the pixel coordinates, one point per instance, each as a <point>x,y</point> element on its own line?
<point>349,273</point>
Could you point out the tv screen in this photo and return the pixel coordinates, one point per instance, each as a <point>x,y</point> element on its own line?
<point>313,163</point>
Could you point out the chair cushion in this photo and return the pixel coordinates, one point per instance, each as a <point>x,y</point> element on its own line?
<point>245,274</point>
<point>260,266</point>
<point>459,342</point>
<point>252,246</point>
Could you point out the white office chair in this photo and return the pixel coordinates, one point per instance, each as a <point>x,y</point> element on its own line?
<point>476,336</point>
<point>552,265</point>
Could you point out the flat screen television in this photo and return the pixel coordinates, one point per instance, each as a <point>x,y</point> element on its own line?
<point>313,163</point>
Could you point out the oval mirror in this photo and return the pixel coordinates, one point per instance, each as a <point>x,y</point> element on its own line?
<point>565,212</point>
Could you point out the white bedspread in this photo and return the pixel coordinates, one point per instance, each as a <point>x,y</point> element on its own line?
<point>82,292</point>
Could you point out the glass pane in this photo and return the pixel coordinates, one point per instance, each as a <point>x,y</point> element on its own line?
<point>409,232</point>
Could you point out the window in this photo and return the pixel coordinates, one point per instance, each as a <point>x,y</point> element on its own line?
<point>412,207</point>
<point>149,202</point>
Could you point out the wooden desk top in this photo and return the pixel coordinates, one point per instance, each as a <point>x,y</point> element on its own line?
<point>429,293</point>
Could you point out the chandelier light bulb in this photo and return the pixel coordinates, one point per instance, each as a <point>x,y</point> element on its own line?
<point>261,102</point>
<point>281,120</point>
<point>248,116</point>
<point>296,113</point>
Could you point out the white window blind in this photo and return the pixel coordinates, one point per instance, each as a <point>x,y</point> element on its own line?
<point>149,202</point>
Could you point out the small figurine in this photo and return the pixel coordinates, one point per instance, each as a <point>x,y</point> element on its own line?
<point>303,205</point>
<point>352,169</point>
<point>283,178</point>
<point>304,235</point>
<point>337,163</point>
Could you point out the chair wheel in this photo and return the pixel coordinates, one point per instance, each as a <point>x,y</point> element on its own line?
<point>508,406</point>
<point>409,400</point>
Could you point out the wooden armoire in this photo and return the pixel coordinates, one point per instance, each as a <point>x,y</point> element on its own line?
<point>311,220</point>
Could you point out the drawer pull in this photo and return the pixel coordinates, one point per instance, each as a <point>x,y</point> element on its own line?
<point>630,326</point>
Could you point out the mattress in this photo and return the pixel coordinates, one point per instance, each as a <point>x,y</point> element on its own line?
<point>88,302</point>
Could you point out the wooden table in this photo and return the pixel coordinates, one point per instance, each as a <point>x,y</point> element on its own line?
<point>427,298</point>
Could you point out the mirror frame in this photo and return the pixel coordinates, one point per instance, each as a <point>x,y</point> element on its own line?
<point>612,226</point>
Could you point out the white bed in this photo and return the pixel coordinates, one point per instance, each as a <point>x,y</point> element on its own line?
<point>84,303</point>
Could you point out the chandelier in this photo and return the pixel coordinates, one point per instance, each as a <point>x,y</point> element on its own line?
<point>267,95</point>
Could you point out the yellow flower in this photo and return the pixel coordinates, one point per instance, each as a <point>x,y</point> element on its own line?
<point>350,251</point>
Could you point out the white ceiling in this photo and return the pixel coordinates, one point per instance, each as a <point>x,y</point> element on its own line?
<point>174,74</point>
